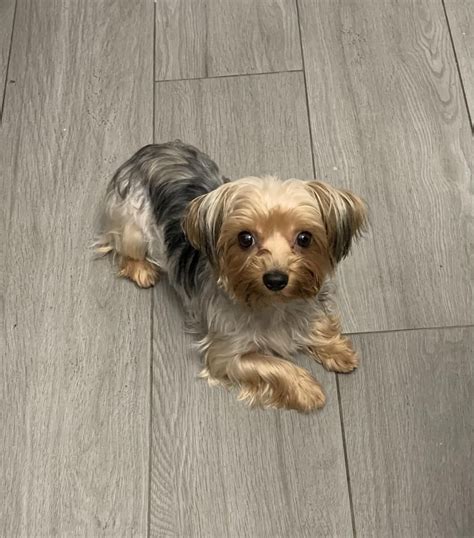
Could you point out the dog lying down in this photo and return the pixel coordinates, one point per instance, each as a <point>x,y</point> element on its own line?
<point>251,259</point>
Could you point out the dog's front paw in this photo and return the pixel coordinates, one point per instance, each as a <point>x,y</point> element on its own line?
<point>344,362</point>
<point>308,396</point>
<point>298,391</point>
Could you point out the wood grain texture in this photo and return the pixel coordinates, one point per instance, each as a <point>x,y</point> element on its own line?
<point>7,11</point>
<point>74,341</point>
<point>218,468</point>
<point>460,15</point>
<point>388,121</point>
<point>211,38</point>
<point>408,419</point>
<point>249,125</point>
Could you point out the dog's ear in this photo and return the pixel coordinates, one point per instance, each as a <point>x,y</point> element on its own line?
<point>203,219</point>
<point>192,224</point>
<point>344,215</point>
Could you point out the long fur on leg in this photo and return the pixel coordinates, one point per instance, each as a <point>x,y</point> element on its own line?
<point>264,380</point>
<point>269,381</point>
<point>330,348</point>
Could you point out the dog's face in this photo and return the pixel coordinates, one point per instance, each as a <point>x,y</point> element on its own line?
<point>271,240</point>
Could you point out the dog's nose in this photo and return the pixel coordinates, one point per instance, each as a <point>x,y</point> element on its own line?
<point>275,280</point>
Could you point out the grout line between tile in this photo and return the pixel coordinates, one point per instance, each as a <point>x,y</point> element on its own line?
<point>8,63</point>
<point>229,76</point>
<point>458,68</point>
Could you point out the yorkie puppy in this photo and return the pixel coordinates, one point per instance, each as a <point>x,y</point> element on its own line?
<point>252,260</point>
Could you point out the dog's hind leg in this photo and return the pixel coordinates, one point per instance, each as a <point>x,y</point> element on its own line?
<point>133,262</point>
<point>127,234</point>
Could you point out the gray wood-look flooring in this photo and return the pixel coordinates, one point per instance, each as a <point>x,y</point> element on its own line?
<point>398,133</point>
<point>460,15</point>
<point>105,429</point>
<point>209,39</point>
<point>251,124</point>
<point>408,421</point>
<point>75,342</point>
<point>7,14</point>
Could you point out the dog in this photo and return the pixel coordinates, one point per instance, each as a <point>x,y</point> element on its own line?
<point>251,259</point>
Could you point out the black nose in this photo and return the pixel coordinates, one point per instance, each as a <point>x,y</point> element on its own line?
<point>275,280</point>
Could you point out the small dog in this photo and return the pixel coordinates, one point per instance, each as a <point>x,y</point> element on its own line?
<point>251,259</point>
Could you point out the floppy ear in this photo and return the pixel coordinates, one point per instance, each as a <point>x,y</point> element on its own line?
<point>203,219</point>
<point>344,215</point>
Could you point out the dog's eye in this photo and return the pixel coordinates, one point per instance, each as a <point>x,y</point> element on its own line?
<point>304,239</point>
<point>246,239</point>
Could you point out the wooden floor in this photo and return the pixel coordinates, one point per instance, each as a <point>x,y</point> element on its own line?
<point>105,429</point>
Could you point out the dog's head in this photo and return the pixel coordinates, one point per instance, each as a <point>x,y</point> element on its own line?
<point>271,240</point>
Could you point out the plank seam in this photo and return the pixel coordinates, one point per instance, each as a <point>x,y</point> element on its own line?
<point>411,329</point>
<point>8,63</point>
<point>231,76</point>
<point>343,436</point>
<point>458,68</point>
<point>346,459</point>
<point>305,89</point>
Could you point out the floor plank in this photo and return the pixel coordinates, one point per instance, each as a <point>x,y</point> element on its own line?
<point>74,341</point>
<point>213,38</point>
<point>250,125</point>
<point>218,468</point>
<point>408,425</point>
<point>388,120</point>
<point>7,11</point>
<point>460,15</point>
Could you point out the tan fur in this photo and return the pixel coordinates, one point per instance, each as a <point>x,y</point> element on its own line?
<point>204,217</point>
<point>344,216</point>
<point>129,242</point>
<point>246,328</point>
<point>275,228</point>
<point>275,213</point>
<point>265,381</point>
<point>133,243</point>
<point>142,272</point>
<point>330,348</point>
